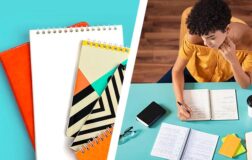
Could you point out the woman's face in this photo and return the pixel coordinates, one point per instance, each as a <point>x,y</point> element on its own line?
<point>214,39</point>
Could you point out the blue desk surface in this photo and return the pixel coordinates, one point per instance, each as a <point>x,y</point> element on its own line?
<point>141,95</point>
<point>17,18</point>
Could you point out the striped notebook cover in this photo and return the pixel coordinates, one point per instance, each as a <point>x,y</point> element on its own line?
<point>97,149</point>
<point>104,111</point>
<point>97,62</point>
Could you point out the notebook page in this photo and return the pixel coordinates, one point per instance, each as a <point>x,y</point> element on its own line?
<point>223,104</point>
<point>200,146</point>
<point>199,102</point>
<point>170,141</point>
<point>54,55</point>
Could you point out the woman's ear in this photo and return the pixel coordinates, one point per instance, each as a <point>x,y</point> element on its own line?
<point>228,28</point>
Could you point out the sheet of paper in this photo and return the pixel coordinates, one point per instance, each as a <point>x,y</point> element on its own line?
<point>223,104</point>
<point>170,141</point>
<point>199,146</point>
<point>249,145</point>
<point>54,57</point>
<point>199,102</point>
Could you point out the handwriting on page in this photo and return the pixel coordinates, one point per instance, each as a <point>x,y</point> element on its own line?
<point>200,146</point>
<point>223,104</point>
<point>170,142</point>
<point>198,100</point>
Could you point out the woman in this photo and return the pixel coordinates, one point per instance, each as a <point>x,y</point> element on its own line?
<point>214,49</point>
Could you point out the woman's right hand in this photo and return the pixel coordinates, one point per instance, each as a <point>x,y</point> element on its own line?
<point>184,114</point>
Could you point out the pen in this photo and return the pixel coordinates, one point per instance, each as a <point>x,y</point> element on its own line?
<point>181,105</point>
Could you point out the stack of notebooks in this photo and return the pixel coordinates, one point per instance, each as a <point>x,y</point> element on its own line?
<point>67,83</point>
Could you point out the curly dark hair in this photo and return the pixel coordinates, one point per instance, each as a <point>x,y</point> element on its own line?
<point>208,16</point>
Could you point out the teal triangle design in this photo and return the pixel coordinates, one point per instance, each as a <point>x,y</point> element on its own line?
<point>100,84</point>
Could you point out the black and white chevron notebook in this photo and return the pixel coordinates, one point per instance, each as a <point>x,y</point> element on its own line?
<point>82,106</point>
<point>104,112</point>
<point>97,62</point>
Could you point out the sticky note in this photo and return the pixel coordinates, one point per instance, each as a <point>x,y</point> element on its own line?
<point>230,146</point>
<point>241,149</point>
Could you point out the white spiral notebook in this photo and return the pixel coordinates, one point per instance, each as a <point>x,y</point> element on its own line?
<point>54,57</point>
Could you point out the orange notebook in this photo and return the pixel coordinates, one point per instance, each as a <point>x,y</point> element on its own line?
<point>16,63</point>
<point>97,149</point>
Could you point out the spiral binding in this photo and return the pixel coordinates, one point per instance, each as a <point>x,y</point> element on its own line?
<point>109,46</point>
<point>95,141</point>
<point>76,29</point>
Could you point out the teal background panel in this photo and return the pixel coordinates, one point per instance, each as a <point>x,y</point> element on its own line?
<point>14,140</point>
<point>17,18</point>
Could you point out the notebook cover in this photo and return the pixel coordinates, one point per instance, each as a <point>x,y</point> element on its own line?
<point>96,59</point>
<point>16,63</point>
<point>96,151</point>
<point>151,114</point>
<point>104,111</point>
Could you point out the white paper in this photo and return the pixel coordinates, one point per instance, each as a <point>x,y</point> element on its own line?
<point>199,102</point>
<point>54,58</point>
<point>200,146</point>
<point>170,141</point>
<point>248,137</point>
<point>223,104</point>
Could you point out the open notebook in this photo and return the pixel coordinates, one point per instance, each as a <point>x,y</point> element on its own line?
<point>176,142</point>
<point>212,104</point>
<point>54,57</point>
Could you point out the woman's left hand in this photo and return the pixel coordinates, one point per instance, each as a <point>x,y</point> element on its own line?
<point>228,50</point>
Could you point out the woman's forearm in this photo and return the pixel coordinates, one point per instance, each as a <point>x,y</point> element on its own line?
<point>240,76</point>
<point>178,84</point>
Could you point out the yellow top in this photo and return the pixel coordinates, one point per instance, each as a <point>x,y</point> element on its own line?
<point>207,64</point>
